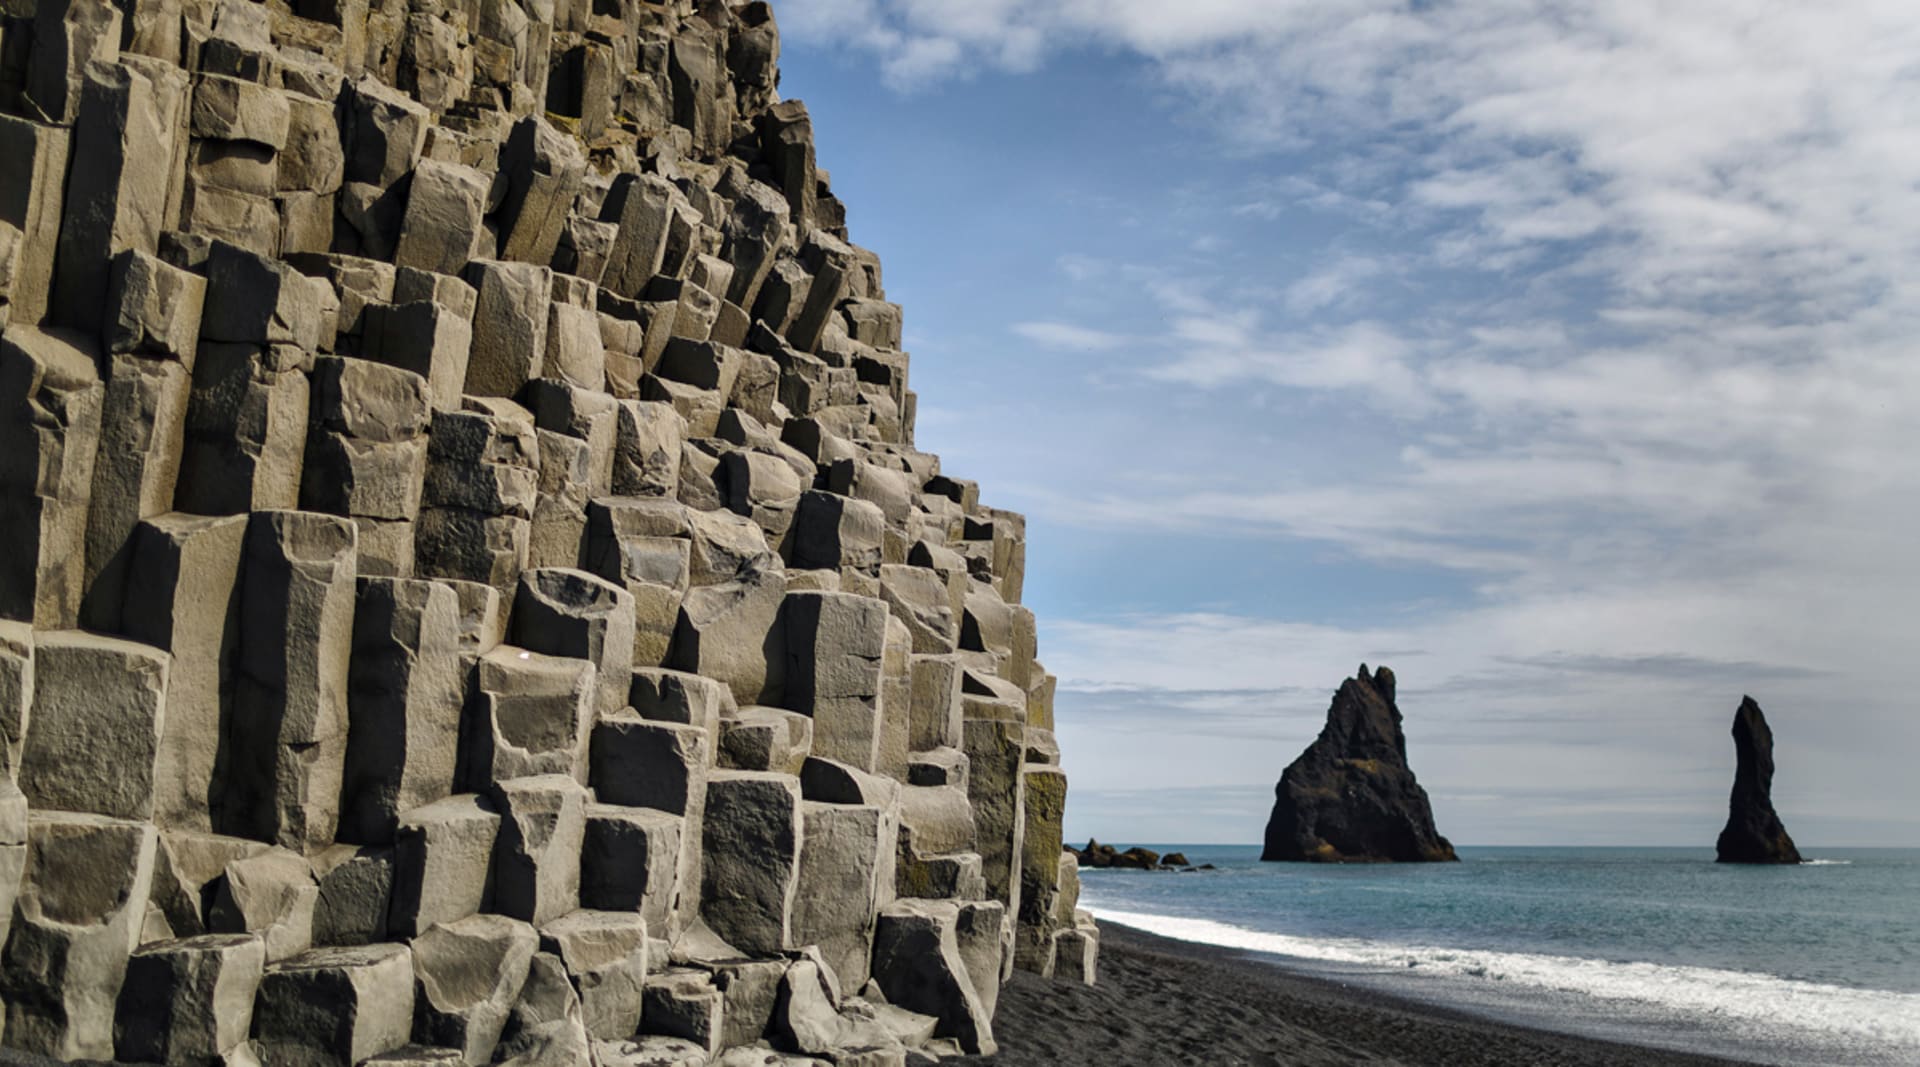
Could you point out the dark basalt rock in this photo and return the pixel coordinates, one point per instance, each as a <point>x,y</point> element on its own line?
<point>1350,797</point>
<point>1097,856</point>
<point>1754,833</point>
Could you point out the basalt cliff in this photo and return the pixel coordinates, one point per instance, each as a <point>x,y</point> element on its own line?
<point>471,593</point>
<point>1350,797</point>
<point>1754,833</point>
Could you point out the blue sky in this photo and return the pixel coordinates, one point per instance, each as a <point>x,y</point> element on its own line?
<point>1559,356</point>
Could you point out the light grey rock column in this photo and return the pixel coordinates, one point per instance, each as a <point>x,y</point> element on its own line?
<point>154,311</point>
<point>442,863</point>
<point>564,612</point>
<point>630,861</point>
<point>1045,804</point>
<point>468,974</point>
<point>509,326</point>
<point>50,405</point>
<point>536,858</point>
<point>190,1000</point>
<point>356,895</point>
<point>836,643</point>
<point>733,632</point>
<point>246,433</point>
<point>289,737</point>
<point>33,185</point>
<point>271,893</point>
<point>664,766</point>
<point>481,490</point>
<point>846,876</point>
<point>406,690</point>
<point>99,707</point>
<point>996,752</point>
<point>751,836</point>
<point>183,595</point>
<point>686,1004</point>
<point>13,850</point>
<point>77,919</point>
<point>918,965</point>
<point>127,133</point>
<point>605,954</point>
<point>366,457</point>
<point>527,714</point>
<point>335,1007</point>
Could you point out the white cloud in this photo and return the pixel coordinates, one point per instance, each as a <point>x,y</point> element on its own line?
<point>1068,337</point>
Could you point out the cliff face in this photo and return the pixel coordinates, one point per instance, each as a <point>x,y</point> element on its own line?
<point>1754,833</point>
<point>1350,797</point>
<point>468,579</point>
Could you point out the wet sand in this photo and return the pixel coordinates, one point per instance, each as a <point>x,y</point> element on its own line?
<point>1169,1002</point>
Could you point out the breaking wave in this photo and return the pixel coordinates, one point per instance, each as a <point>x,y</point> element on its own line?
<point>1881,1025</point>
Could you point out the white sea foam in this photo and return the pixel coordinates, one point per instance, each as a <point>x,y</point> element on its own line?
<point>1826,863</point>
<point>1887,1021</point>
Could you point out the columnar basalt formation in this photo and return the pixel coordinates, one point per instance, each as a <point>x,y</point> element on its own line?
<point>470,594</point>
<point>1351,797</point>
<point>1754,833</point>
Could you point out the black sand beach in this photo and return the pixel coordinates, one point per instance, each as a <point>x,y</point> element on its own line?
<point>1169,1002</point>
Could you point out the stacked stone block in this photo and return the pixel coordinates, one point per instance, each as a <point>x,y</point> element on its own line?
<point>470,591</point>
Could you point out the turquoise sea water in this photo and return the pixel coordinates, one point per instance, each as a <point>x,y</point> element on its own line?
<point>1814,964</point>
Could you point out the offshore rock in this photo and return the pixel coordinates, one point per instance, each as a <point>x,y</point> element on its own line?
<point>1754,833</point>
<point>1350,797</point>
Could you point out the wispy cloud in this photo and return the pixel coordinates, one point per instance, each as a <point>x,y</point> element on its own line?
<point>1068,337</point>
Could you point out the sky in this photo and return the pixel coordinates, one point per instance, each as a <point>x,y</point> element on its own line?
<point>1560,356</point>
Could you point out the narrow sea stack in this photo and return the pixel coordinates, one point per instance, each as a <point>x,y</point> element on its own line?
<point>1350,797</point>
<point>1754,833</point>
<point>470,592</point>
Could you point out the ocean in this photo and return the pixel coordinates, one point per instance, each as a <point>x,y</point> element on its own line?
<point>1817,964</point>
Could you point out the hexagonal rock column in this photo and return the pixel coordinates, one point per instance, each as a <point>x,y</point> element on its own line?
<point>366,456</point>
<point>50,404</point>
<point>918,965</point>
<point>663,766</point>
<point>442,863</point>
<point>99,706</point>
<point>404,699</point>
<point>996,752</point>
<point>751,836</point>
<point>527,714</point>
<point>846,875</point>
<point>536,858</point>
<point>1045,803</point>
<point>75,924</point>
<point>835,647</point>
<point>562,612</point>
<point>605,954</point>
<point>467,975</point>
<point>631,861</point>
<point>182,594</point>
<point>191,1000</point>
<point>335,1007</point>
<point>289,732</point>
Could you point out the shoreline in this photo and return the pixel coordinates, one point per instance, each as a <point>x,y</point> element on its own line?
<point>1162,1001</point>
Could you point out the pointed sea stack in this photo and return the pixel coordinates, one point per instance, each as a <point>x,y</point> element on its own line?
<point>1350,797</point>
<point>1754,833</point>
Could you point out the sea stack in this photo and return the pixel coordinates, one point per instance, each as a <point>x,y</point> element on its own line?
<point>1350,797</point>
<point>1754,833</point>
